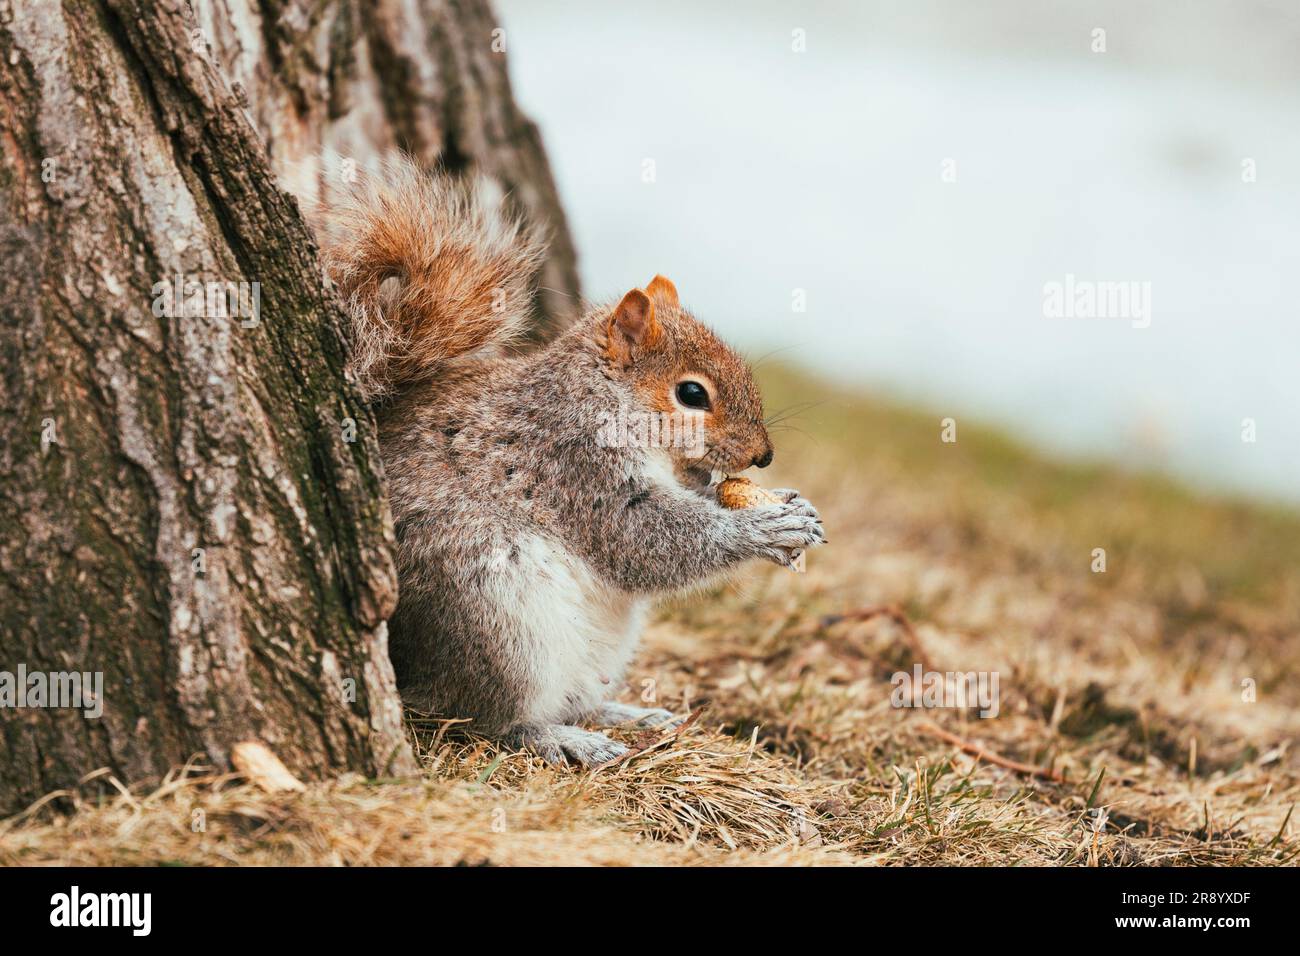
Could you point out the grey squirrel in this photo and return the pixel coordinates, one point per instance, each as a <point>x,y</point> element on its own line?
<point>529,550</point>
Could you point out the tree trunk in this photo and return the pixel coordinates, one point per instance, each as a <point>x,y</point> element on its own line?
<point>191,504</point>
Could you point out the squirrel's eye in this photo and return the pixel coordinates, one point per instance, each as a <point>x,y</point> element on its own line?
<point>693,394</point>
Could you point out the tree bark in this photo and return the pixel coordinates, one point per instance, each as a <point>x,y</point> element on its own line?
<point>192,505</point>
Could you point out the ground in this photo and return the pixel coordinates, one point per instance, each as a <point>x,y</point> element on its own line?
<point>1147,712</point>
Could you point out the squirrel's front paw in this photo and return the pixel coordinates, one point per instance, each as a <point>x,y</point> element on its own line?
<point>775,531</point>
<point>557,742</point>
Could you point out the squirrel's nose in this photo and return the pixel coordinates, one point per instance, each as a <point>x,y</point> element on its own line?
<point>765,459</point>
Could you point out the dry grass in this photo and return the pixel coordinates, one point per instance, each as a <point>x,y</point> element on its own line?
<point>1125,686</point>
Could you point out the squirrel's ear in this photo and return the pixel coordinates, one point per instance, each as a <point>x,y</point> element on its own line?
<point>632,324</point>
<point>661,287</point>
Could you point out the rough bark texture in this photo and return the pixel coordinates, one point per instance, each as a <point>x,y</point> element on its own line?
<point>193,505</point>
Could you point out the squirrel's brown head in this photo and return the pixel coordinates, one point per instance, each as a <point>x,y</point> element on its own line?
<point>691,381</point>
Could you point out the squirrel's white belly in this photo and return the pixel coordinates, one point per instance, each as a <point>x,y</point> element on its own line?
<point>574,633</point>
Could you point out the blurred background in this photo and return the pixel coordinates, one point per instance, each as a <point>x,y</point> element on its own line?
<point>917,172</point>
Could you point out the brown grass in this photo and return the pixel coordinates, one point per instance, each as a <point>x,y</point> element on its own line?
<point>1125,686</point>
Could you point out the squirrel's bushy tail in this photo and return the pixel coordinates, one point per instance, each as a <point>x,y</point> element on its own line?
<point>427,270</point>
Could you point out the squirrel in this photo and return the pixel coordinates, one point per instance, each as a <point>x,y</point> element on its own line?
<point>528,549</point>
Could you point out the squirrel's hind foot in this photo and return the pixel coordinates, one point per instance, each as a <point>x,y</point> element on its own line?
<point>558,743</point>
<point>612,714</point>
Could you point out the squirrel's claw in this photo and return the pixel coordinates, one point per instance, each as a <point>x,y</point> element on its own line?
<point>558,743</point>
<point>612,714</point>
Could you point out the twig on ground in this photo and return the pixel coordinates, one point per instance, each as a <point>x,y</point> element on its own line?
<point>645,742</point>
<point>896,614</point>
<point>975,750</point>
